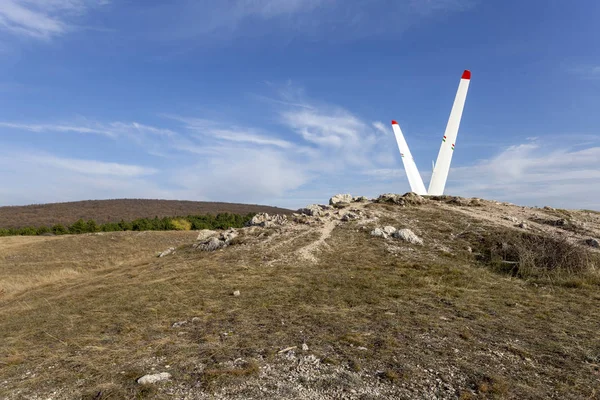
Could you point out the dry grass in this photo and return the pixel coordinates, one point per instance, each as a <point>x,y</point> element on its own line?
<point>424,314</point>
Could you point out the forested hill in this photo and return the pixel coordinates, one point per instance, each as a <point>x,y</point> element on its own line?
<point>103,211</point>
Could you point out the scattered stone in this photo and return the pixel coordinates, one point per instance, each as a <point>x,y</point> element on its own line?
<point>155,378</point>
<point>511,218</point>
<point>236,293</point>
<point>196,320</point>
<point>350,216</point>
<point>469,249</point>
<point>459,201</point>
<point>340,198</point>
<point>360,199</point>
<point>205,234</point>
<point>389,230</point>
<point>413,198</point>
<point>390,198</point>
<point>179,324</point>
<point>229,235</point>
<point>592,242</point>
<point>287,349</point>
<point>523,225</point>
<point>408,236</point>
<point>170,250</point>
<point>378,232</point>
<point>304,347</point>
<point>212,244</point>
<point>561,222</point>
<point>548,208</point>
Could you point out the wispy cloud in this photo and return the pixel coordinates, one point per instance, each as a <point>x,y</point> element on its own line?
<point>534,173</point>
<point>332,20</point>
<point>58,128</point>
<point>88,167</point>
<point>42,19</point>
<point>587,71</point>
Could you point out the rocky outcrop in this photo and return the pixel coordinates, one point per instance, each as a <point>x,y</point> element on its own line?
<point>360,199</point>
<point>205,234</point>
<point>403,200</point>
<point>215,243</point>
<point>268,221</point>
<point>340,198</point>
<point>314,210</point>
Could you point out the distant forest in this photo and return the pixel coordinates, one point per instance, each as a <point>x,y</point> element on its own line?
<point>137,212</point>
<point>219,221</point>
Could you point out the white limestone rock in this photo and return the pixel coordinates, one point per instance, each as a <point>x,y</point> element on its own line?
<point>340,198</point>
<point>154,378</point>
<point>408,236</point>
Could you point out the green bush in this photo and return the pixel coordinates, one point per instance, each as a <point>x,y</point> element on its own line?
<point>28,231</point>
<point>43,230</point>
<point>58,229</point>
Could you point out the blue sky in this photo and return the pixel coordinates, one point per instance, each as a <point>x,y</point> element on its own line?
<point>287,102</point>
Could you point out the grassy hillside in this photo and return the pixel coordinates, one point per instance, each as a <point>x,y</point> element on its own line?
<point>365,317</point>
<point>103,211</point>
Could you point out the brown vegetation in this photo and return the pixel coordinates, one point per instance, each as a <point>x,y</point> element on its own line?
<point>103,211</point>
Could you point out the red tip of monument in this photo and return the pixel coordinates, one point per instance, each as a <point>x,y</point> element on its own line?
<point>394,122</point>
<point>466,74</point>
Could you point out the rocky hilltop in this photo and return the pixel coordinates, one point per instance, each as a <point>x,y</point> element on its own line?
<point>400,296</point>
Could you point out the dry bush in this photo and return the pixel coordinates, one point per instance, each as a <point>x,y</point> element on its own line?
<point>181,224</point>
<point>526,256</point>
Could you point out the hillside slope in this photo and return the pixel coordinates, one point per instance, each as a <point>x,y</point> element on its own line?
<point>103,211</point>
<point>326,308</point>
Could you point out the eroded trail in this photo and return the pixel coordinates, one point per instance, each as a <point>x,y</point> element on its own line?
<point>308,252</point>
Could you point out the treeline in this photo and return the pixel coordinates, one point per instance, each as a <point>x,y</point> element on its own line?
<point>191,222</point>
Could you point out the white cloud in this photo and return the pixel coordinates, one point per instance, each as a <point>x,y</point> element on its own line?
<point>534,173</point>
<point>42,19</point>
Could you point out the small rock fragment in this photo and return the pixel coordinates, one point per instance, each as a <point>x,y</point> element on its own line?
<point>170,250</point>
<point>179,324</point>
<point>523,225</point>
<point>389,230</point>
<point>592,242</point>
<point>154,378</point>
<point>378,232</point>
<point>304,347</point>
<point>236,293</point>
<point>408,236</point>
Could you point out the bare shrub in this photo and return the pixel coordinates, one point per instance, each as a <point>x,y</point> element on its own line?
<point>526,255</point>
